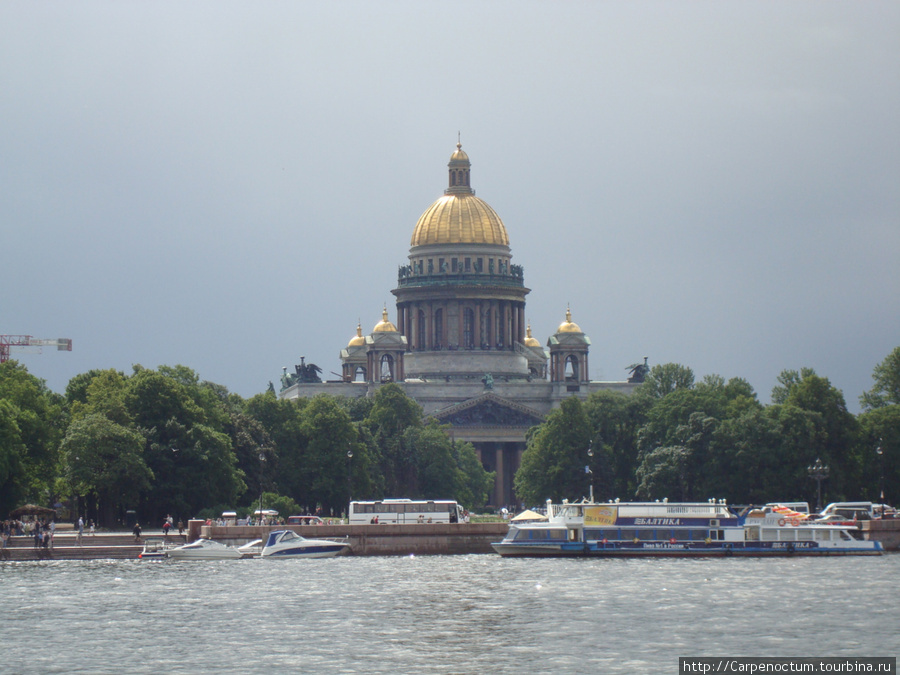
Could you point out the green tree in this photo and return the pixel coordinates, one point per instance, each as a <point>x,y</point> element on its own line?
<point>886,390</point>
<point>477,483</point>
<point>615,420</point>
<point>880,430</point>
<point>330,434</point>
<point>32,423</point>
<point>393,412</point>
<point>105,459</point>
<point>838,427</point>
<point>187,448</point>
<point>665,473</point>
<point>282,421</point>
<point>554,460</point>
<point>666,378</point>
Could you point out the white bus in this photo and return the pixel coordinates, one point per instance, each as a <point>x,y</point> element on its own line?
<point>405,511</point>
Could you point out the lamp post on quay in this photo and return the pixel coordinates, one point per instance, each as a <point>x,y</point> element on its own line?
<point>818,472</point>
<point>349,488</point>
<point>880,452</point>
<point>262,460</point>
<point>587,468</point>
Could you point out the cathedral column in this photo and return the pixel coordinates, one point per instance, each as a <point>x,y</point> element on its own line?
<point>500,478</point>
<point>476,337</point>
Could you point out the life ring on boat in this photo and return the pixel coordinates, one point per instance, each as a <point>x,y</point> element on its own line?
<point>781,522</point>
<point>672,540</point>
<point>708,540</point>
<point>635,541</point>
<point>795,522</point>
<point>605,541</point>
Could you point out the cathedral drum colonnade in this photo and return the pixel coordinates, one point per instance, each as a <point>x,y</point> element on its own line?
<point>461,346</point>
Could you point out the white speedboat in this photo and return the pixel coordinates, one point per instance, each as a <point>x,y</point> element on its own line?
<point>154,549</point>
<point>251,549</point>
<point>289,544</point>
<point>203,549</point>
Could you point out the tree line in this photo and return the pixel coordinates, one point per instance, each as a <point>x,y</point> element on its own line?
<point>684,440</point>
<point>164,442</point>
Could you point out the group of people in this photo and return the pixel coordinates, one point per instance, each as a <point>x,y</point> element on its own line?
<point>167,525</point>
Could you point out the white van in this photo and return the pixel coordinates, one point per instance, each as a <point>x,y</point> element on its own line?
<point>849,510</point>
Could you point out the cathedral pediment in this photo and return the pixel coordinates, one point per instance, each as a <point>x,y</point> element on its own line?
<point>489,410</point>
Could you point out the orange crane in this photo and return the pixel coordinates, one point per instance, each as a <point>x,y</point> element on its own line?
<point>9,341</point>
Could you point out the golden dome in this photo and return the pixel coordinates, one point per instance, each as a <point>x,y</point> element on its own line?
<point>358,339</point>
<point>568,326</point>
<point>530,341</point>
<point>384,326</point>
<point>459,217</point>
<point>460,154</point>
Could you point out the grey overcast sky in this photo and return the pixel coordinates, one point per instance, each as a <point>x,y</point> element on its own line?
<point>232,185</point>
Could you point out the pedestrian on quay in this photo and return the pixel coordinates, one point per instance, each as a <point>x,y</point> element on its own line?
<point>137,533</point>
<point>166,526</point>
<point>91,522</point>
<point>52,532</point>
<point>180,528</point>
<point>37,534</point>
<point>80,528</point>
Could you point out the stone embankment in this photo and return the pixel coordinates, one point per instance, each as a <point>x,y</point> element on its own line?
<point>417,539</point>
<point>66,547</point>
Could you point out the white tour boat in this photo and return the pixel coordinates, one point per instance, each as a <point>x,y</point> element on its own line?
<point>289,544</point>
<point>203,549</point>
<point>675,529</point>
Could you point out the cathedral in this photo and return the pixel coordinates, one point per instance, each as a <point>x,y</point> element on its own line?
<point>461,346</point>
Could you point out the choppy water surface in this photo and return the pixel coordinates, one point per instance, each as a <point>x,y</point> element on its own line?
<point>441,614</point>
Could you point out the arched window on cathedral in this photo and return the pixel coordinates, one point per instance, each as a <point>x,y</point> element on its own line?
<point>360,374</point>
<point>387,368</point>
<point>571,370</point>
<point>438,329</point>
<point>468,328</point>
<point>422,332</point>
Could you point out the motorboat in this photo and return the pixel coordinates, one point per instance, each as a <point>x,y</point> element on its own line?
<point>154,549</point>
<point>251,549</point>
<point>678,529</point>
<point>203,549</point>
<point>289,544</point>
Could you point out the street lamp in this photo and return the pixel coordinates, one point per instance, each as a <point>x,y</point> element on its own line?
<point>818,472</point>
<point>262,460</point>
<point>880,453</point>
<point>349,490</point>
<point>587,467</point>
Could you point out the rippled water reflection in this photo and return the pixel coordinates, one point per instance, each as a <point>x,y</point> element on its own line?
<point>441,614</point>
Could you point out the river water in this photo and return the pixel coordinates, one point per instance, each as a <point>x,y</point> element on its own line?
<point>439,614</point>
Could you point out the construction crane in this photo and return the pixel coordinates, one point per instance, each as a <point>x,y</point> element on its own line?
<point>7,342</point>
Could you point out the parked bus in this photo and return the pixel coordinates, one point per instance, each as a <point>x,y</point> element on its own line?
<point>406,511</point>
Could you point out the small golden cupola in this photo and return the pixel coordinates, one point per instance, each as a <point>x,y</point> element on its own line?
<point>530,340</point>
<point>384,326</point>
<point>569,326</point>
<point>357,340</point>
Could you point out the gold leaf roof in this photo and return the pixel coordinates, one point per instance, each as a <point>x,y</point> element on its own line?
<point>459,217</point>
<point>569,326</point>
<point>384,326</point>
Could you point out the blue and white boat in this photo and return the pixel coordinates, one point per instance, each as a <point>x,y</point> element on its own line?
<point>658,529</point>
<point>289,544</point>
